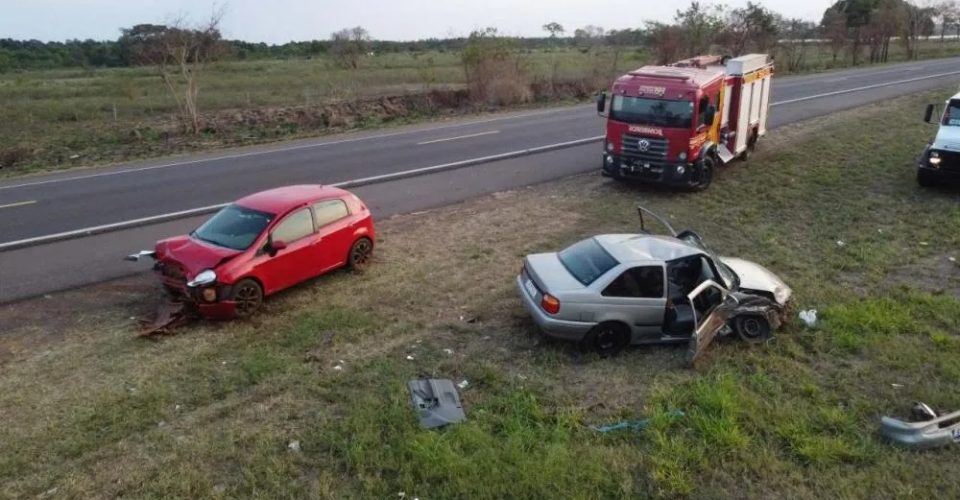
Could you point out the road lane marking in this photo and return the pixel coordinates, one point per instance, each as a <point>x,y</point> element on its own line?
<point>865,87</point>
<point>291,148</point>
<point>458,137</point>
<point>90,231</point>
<point>18,204</point>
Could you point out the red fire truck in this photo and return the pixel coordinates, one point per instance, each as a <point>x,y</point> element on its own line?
<point>676,124</point>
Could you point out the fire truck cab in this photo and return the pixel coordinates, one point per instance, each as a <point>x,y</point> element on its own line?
<point>676,124</point>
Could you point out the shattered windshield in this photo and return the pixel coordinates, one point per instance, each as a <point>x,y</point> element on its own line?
<point>952,116</point>
<point>586,261</point>
<point>234,227</point>
<point>645,111</point>
<point>730,278</point>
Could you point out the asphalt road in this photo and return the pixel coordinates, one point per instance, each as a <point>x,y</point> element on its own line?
<point>39,206</point>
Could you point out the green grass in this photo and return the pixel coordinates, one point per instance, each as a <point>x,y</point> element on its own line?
<point>93,411</point>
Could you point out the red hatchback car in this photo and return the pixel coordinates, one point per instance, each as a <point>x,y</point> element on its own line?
<point>262,244</point>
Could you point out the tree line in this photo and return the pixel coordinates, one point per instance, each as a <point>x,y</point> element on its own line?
<point>862,29</point>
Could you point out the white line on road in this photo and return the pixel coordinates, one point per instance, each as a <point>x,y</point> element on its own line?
<point>866,87</point>
<point>88,231</point>
<point>285,149</point>
<point>18,204</point>
<point>458,137</point>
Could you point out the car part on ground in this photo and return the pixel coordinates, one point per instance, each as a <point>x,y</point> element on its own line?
<point>930,431</point>
<point>614,290</point>
<point>171,314</point>
<point>634,425</point>
<point>262,244</point>
<point>436,401</point>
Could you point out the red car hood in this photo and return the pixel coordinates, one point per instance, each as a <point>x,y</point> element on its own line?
<point>192,255</point>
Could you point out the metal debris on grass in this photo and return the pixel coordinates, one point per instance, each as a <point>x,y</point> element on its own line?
<point>928,430</point>
<point>436,401</point>
<point>170,315</point>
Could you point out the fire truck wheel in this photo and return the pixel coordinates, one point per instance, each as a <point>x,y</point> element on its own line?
<point>703,174</point>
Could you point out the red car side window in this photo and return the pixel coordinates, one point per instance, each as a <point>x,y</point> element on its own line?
<point>328,211</point>
<point>295,226</point>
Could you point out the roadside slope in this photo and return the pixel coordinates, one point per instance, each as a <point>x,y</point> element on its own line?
<point>91,411</point>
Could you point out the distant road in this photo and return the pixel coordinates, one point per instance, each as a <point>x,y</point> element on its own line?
<point>39,207</point>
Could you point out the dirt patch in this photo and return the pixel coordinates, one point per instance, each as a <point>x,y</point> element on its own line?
<point>936,274</point>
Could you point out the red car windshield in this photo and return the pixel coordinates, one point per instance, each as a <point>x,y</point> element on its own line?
<point>234,227</point>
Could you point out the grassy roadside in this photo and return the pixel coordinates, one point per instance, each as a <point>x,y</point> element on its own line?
<point>91,412</point>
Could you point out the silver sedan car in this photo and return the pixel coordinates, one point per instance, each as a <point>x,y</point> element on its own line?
<point>613,290</point>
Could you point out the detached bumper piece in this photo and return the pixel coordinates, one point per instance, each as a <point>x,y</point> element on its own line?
<point>170,315</point>
<point>436,401</point>
<point>933,433</point>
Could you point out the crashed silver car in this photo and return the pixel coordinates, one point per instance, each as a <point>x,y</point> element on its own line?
<point>613,290</point>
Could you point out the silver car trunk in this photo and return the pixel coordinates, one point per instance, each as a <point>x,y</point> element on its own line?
<point>549,273</point>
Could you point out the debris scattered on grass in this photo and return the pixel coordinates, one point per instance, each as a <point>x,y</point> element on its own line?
<point>338,368</point>
<point>219,489</point>
<point>177,408</point>
<point>809,317</point>
<point>449,352</point>
<point>410,357</point>
<point>294,446</point>
<point>635,425</point>
<point>436,402</point>
<point>50,492</point>
<point>924,243</point>
<point>896,386</point>
<point>161,424</point>
<point>463,385</point>
<point>841,244</point>
<point>952,259</point>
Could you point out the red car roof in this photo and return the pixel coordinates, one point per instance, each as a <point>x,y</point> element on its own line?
<point>282,199</point>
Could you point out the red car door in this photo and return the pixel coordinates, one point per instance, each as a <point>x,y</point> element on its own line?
<point>334,224</point>
<point>300,259</point>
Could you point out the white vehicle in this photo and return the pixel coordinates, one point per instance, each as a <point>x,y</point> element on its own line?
<point>941,159</point>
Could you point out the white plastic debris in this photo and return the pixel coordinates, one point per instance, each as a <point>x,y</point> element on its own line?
<point>294,446</point>
<point>923,243</point>
<point>841,244</point>
<point>809,317</point>
<point>952,259</point>
<point>161,424</point>
<point>177,407</point>
<point>897,386</point>
<point>410,357</point>
<point>338,368</point>
<point>401,494</point>
<point>449,352</point>
<point>463,385</point>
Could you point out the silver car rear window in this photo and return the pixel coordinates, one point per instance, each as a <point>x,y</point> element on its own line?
<point>586,261</point>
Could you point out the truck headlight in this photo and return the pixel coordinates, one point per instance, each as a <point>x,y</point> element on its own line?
<point>609,146</point>
<point>204,278</point>
<point>934,158</point>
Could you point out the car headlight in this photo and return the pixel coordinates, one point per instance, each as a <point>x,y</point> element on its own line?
<point>934,158</point>
<point>683,156</point>
<point>781,294</point>
<point>204,278</point>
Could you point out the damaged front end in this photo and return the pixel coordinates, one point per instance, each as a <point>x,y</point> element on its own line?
<point>752,317</point>
<point>931,431</point>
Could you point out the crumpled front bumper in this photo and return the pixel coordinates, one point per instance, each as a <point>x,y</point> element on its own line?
<point>934,433</point>
<point>667,173</point>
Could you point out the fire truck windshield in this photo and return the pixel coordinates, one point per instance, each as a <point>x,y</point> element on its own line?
<point>645,111</point>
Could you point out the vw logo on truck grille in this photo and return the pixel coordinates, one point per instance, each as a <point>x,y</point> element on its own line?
<point>643,145</point>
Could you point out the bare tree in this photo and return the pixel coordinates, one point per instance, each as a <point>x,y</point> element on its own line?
<point>796,34</point>
<point>834,26</point>
<point>349,45</point>
<point>917,22</point>
<point>700,24</point>
<point>666,40</point>
<point>180,52</point>
<point>947,14</point>
<point>588,36</point>
<point>555,29</point>
<point>752,27</point>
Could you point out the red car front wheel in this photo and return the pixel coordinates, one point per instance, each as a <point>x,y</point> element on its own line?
<point>248,296</point>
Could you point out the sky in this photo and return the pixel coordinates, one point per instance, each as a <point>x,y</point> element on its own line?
<point>280,21</point>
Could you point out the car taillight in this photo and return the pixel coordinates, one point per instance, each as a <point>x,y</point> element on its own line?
<point>550,303</point>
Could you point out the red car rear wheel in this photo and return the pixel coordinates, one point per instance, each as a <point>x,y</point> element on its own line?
<point>360,254</point>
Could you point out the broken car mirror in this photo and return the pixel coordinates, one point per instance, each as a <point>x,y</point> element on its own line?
<point>601,103</point>
<point>928,115</point>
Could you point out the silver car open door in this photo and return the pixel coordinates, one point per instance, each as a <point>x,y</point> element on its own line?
<point>712,306</point>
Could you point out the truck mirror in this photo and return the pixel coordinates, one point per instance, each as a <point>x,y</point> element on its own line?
<point>928,116</point>
<point>601,102</point>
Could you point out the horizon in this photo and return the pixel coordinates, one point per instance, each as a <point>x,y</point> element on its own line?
<point>286,21</point>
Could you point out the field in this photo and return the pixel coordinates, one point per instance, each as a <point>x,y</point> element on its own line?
<point>91,411</point>
<point>60,119</point>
